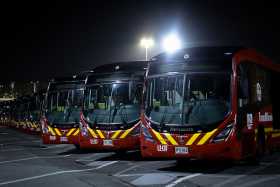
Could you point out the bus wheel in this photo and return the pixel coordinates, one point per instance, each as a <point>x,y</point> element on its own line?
<point>183,161</point>
<point>77,146</point>
<point>120,152</point>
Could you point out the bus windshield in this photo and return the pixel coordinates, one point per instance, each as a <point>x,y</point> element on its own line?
<point>188,99</point>
<point>113,103</point>
<point>64,106</point>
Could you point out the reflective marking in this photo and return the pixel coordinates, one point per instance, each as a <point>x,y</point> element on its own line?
<point>269,129</point>
<point>57,131</point>
<point>192,139</point>
<point>70,132</point>
<point>77,132</point>
<point>55,173</point>
<point>206,137</point>
<point>51,130</point>
<point>182,179</point>
<point>170,138</point>
<point>34,125</point>
<point>116,134</point>
<point>92,132</point>
<point>126,132</point>
<point>275,135</point>
<point>159,137</point>
<point>100,134</point>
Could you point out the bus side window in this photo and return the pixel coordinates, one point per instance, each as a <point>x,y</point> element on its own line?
<point>243,86</point>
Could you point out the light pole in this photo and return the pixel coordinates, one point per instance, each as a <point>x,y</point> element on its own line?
<point>146,43</point>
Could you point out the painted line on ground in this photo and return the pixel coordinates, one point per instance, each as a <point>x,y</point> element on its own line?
<point>233,179</point>
<point>183,179</point>
<point>125,170</point>
<point>132,175</point>
<point>255,182</point>
<point>55,173</point>
<point>31,158</point>
<point>16,149</point>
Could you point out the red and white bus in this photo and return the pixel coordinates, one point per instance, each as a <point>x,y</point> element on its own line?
<point>211,103</point>
<point>111,115</point>
<point>62,108</point>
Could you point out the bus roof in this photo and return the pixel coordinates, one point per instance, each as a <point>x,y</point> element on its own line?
<point>117,71</point>
<point>198,53</point>
<point>68,83</point>
<point>128,67</point>
<point>194,59</point>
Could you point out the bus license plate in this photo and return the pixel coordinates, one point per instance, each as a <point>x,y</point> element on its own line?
<point>181,150</point>
<point>108,142</point>
<point>63,139</point>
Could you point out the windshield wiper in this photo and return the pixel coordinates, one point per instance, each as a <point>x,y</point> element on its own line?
<point>162,124</point>
<point>123,115</point>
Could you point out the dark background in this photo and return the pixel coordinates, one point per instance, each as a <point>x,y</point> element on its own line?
<point>43,39</point>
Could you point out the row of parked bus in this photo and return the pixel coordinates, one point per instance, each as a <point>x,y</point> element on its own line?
<point>197,103</point>
<point>23,113</point>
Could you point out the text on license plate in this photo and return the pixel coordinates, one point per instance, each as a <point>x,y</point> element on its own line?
<point>63,139</point>
<point>108,142</point>
<point>181,150</point>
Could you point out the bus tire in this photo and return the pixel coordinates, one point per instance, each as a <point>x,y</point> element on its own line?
<point>120,152</point>
<point>77,146</point>
<point>182,161</point>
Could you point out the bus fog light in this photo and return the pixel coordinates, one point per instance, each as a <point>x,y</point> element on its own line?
<point>84,131</point>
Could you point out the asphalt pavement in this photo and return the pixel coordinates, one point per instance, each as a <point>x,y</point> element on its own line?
<point>25,161</point>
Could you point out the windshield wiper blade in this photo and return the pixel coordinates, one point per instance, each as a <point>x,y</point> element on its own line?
<point>162,124</point>
<point>123,116</point>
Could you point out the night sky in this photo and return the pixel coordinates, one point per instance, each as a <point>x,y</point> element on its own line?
<point>43,39</point>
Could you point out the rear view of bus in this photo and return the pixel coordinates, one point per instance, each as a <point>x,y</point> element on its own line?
<point>188,108</point>
<point>60,122</point>
<point>111,115</point>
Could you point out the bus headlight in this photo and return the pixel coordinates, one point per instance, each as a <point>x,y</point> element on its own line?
<point>44,126</point>
<point>147,135</point>
<point>223,134</point>
<point>84,130</point>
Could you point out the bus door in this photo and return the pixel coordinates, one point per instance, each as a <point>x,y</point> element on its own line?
<point>245,111</point>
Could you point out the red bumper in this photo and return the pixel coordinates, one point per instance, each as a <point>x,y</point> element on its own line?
<point>211,151</point>
<point>50,139</point>
<point>128,143</point>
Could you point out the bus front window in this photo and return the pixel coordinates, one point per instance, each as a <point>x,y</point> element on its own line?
<point>165,98</point>
<point>207,99</point>
<point>64,106</point>
<point>112,103</point>
<point>188,100</point>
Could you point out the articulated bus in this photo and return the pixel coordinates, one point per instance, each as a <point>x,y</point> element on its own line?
<point>112,103</point>
<point>62,108</point>
<point>211,103</point>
